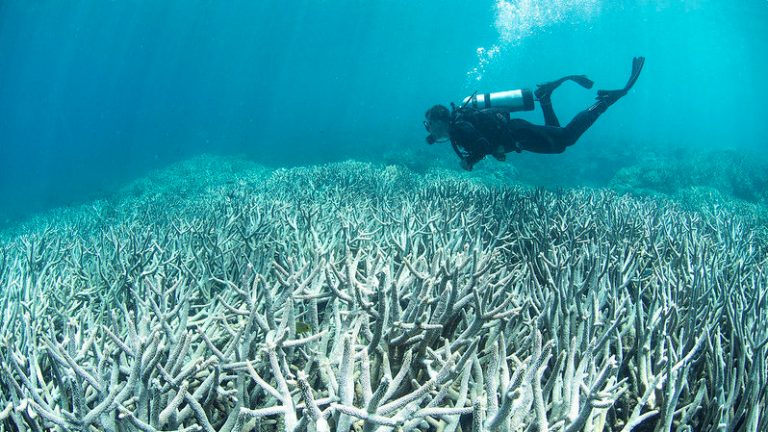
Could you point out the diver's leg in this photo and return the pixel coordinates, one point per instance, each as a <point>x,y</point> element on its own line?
<point>536,138</point>
<point>544,91</point>
<point>605,98</point>
<point>550,118</point>
<point>551,139</point>
<point>578,125</point>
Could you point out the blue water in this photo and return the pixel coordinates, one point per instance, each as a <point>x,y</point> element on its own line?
<point>96,93</point>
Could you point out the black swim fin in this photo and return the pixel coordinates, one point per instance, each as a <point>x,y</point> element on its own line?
<point>543,91</point>
<point>610,96</point>
<point>582,80</point>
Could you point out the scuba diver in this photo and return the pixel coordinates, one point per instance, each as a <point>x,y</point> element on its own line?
<point>482,125</point>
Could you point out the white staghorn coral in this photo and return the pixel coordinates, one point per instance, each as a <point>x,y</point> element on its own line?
<point>348,297</point>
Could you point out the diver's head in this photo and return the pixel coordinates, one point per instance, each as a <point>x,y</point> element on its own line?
<point>437,119</point>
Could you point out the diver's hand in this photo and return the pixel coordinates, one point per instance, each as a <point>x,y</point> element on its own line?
<point>500,155</point>
<point>465,165</point>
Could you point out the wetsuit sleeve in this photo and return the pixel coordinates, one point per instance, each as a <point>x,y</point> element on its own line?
<point>469,144</point>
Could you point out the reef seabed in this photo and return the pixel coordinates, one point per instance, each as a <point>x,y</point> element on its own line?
<point>348,297</point>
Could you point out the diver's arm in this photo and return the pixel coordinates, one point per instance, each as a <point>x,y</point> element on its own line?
<point>473,145</point>
<point>472,158</point>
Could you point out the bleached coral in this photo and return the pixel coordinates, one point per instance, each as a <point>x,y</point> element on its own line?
<point>349,297</point>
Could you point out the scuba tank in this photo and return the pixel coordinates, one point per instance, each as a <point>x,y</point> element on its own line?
<point>510,100</point>
<point>505,101</point>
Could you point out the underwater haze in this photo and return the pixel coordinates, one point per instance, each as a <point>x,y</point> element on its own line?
<point>95,94</point>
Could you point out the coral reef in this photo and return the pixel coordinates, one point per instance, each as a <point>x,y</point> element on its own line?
<point>674,171</point>
<point>741,175</point>
<point>356,297</point>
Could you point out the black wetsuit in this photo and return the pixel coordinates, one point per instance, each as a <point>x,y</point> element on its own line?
<point>476,133</point>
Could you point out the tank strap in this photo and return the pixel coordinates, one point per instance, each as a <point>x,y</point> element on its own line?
<point>487,100</point>
<point>466,102</point>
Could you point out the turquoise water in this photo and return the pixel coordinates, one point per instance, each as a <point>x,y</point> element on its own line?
<point>223,216</point>
<point>95,94</point>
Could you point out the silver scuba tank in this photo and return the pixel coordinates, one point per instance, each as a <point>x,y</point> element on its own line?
<point>510,100</point>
